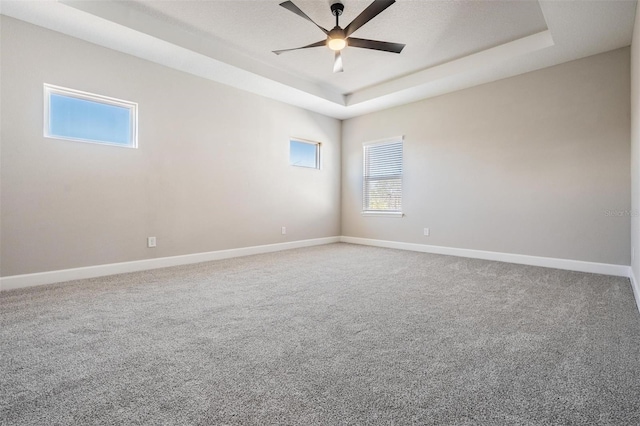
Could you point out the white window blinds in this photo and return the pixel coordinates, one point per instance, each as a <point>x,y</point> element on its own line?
<point>382,180</point>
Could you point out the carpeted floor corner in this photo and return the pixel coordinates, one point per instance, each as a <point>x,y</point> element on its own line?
<point>330,335</point>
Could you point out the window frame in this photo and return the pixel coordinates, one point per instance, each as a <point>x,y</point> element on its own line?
<point>50,89</point>
<point>307,142</point>
<point>382,213</point>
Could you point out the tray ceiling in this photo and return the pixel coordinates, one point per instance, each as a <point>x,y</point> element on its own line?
<point>450,45</point>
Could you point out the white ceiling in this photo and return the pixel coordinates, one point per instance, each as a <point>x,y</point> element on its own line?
<point>450,45</point>
<point>434,33</point>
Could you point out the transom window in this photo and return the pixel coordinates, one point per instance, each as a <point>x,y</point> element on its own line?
<point>86,117</point>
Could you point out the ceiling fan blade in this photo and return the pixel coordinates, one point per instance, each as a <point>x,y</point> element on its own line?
<point>295,9</point>
<point>337,63</point>
<point>375,45</point>
<point>368,14</point>
<point>316,44</point>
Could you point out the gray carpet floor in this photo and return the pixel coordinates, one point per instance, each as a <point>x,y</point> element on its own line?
<point>329,335</point>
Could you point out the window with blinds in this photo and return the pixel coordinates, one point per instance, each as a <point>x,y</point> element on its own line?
<point>382,177</point>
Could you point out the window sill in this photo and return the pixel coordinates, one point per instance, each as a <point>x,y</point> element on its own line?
<point>383,214</point>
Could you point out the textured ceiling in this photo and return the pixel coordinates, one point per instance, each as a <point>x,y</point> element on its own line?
<point>434,32</point>
<point>451,45</point>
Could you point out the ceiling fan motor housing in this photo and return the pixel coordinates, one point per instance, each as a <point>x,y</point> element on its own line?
<point>337,32</point>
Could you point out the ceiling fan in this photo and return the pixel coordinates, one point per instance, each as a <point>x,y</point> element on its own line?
<point>338,38</point>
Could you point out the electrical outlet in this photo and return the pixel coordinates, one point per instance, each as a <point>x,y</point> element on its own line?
<point>151,242</point>
<point>426,232</point>
<point>284,230</point>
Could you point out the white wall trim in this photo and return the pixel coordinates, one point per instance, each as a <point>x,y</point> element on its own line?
<point>41,278</point>
<point>51,277</point>
<point>634,286</point>
<point>548,262</point>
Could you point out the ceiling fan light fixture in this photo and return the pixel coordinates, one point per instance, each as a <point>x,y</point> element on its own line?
<point>337,44</point>
<point>336,39</point>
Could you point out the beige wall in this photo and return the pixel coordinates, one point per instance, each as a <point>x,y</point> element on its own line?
<point>635,146</point>
<point>211,171</point>
<point>527,165</point>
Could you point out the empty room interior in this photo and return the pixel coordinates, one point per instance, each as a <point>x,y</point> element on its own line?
<point>318,212</point>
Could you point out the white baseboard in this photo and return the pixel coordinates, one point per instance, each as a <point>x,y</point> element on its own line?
<point>548,262</point>
<point>29,280</point>
<point>635,287</point>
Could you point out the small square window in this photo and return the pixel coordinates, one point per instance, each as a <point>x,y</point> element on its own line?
<point>79,116</point>
<point>304,154</point>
